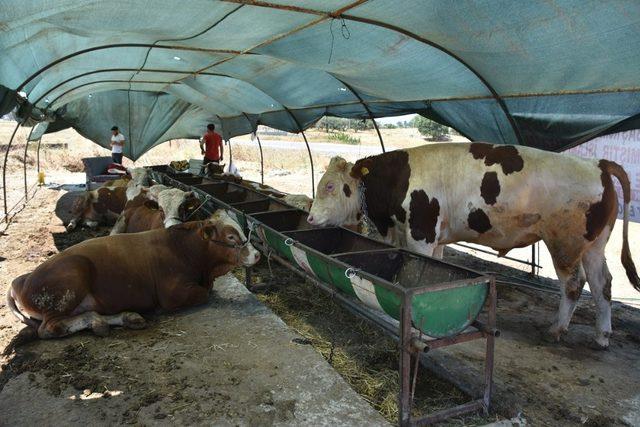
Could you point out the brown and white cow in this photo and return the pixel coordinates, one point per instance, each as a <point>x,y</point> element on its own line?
<point>143,213</point>
<point>105,204</point>
<point>110,280</point>
<point>494,195</point>
<point>101,206</point>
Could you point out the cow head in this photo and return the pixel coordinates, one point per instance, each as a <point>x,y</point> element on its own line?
<point>228,241</point>
<point>188,208</point>
<point>213,169</point>
<point>88,210</point>
<point>337,199</point>
<point>177,205</point>
<point>140,176</point>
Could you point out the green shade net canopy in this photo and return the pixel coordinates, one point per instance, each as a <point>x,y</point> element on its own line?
<point>547,74</point>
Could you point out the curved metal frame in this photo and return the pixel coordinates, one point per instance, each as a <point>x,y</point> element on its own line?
<point>366,107</point>
<point>4,170</point>
<point>261,158</point>
<point>38,155</point>
<point>313,179</point>
<point>105,81</point>
<point>255,132</point>
<point>24,165</point>
<point>230,153</point>
<point>407,33</point>
<point>119,45</point>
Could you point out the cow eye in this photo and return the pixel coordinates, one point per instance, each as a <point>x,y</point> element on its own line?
<point>330,187</point>
<point>231,237</point>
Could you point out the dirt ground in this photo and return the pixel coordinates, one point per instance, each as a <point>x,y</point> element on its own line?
<point>566,383</point>
<point>213,364</point>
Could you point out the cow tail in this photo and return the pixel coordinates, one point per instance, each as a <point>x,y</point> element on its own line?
<point>11,303</point>
<point>625,256</point>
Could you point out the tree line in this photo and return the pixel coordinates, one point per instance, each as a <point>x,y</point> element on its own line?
<point>426,127</point>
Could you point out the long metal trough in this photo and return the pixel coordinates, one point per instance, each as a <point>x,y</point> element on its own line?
<point>435,303</point>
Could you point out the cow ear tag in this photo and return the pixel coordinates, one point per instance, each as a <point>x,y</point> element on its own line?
<point>364,170</point>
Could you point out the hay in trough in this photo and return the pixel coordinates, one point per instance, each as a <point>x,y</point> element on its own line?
<point>365,357</point>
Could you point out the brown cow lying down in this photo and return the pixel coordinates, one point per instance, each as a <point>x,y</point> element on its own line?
<point>503,197</point>
<point>105,204</point>
<point>110,280</point>
<point>300,201</point>
<point>143,213</point>
<point>100,206</point>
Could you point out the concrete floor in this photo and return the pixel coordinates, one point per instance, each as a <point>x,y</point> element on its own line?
<point>231,362</point>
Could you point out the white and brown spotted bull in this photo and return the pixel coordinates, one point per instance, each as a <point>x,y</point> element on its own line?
<point>111,280</point>
<point>498,196</point>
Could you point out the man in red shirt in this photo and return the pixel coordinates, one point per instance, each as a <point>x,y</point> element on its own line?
<point>211,145</point>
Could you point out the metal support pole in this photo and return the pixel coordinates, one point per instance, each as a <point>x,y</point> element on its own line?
<point>313,179</point>
<point>4,171</point>
<point>261,159</point>
<point>488,363</point>
<point>535,254</point>
<point>366,107</point>
<point>404,399</point>
<point>24,165</point>
<point>230,154</point>
<point>375,125</point>
<point>38,156</point>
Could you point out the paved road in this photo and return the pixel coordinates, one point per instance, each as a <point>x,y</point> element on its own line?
<point>316,147</point>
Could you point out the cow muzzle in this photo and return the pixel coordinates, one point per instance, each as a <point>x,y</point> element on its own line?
<point>249,256</point>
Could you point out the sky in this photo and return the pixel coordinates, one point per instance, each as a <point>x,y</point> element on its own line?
<point>396,119</point>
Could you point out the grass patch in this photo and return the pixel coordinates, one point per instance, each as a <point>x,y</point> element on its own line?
<point>344,138</point>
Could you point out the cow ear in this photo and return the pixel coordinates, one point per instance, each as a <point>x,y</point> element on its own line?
<point>338,163</point>
<point>361,168</point>
<point>208,232</point>
<point>151,204</point>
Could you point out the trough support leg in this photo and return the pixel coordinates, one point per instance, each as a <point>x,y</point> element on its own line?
<point>248,273</point>
<point>488,367</point>
<point>405,362</point>
<point>533,259</point>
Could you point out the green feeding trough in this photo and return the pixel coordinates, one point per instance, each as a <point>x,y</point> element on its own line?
<point>236,199</point>
<point>375,273</point>
<point>436,304</point>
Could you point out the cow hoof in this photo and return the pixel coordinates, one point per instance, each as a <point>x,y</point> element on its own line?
<point>100,328</point>
<point>554,334</point>
<point>133,321</point>
<point>601,343</point>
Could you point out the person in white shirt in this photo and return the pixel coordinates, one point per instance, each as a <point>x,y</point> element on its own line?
<point>117,145</point>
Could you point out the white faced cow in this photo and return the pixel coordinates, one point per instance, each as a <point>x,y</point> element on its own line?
<point>498,196</point>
